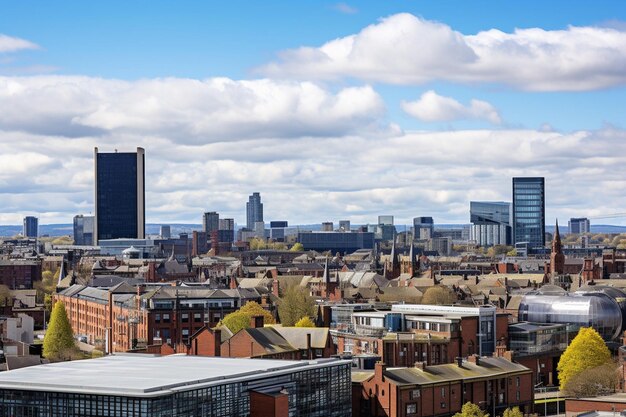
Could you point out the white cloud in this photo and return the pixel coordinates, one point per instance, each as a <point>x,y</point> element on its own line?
<point>405,49</point>
<point>345,8</point>
<point>431,107</point>
<point>11,44</point>
<point>195,111</point>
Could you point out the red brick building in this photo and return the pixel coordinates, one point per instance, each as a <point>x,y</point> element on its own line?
<point>441,390</point>
<point>19,274</point>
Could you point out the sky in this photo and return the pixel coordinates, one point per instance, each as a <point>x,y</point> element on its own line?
<point>330,110</point>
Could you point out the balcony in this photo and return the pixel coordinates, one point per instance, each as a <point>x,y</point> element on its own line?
<point>369,331</point>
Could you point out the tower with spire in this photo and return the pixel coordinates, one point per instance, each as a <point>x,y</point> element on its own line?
<point>557,259</point>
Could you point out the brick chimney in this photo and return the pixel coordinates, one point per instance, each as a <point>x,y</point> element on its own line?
<point>379,370</point>
<point>233,283</point>
<point>420,365</point>
<point>256,322</point>
<point>275,287</point>
<point>474,359</point>
<point>309,351</point>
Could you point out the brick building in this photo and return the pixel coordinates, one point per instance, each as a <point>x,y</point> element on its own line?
<point>441,390</point>
<point>19,274</point>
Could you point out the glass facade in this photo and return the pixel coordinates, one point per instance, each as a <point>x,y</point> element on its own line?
<point>336,241</point>
<point>594,310</point>
<point>119,201</point>
<point>491,223</point>
<point>529,222</point>
<point>254,210</point>
<point>83,230</point>
<point>323,391</point>
<point>31,226</point>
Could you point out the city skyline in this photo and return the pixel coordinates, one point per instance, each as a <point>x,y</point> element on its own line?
<point>233,99</point>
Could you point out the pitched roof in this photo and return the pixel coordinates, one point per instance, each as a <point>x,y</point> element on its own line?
<point>270,340</point>
<point>296,336</point>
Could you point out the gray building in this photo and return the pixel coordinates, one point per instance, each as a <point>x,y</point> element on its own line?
<point>386,220</point>
<point>344,225</point>
<point>183,386</point>
<point>210,222</point>
<point>423,228</point>
<point>119,195</point>
<point>31,226</point>
<point>165,231</point>
<point>579,225</point>
<point>254,210</point>
<point>491,223</point>
<point>344,242</point>
<point>327,227</point>
<point>529,211</point>
<point>83,230</point>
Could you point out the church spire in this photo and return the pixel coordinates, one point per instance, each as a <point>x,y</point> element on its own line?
<point>557,259</point>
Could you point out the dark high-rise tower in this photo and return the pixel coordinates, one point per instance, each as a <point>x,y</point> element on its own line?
<point>210,222</point>
<point>31,226</point>
<point>254,210</point>
<point>529,211</point>
<point>120,195</point>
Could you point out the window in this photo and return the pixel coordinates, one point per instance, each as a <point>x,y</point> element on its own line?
<point>185,332</point>
<point>443,393</point>
<point>517,381</point>
<point>166,318</point>
<point>157,318</point>
<point>185,317</point>
<point>197,317</point>
<point>443,404</point>
<point>517,396</point>
<point>411,408</point>
<point>414,394</point>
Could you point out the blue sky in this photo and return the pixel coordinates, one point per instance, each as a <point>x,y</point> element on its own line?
<point>115,74</point>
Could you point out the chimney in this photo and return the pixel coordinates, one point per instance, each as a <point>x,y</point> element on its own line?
<point>420,365</point>
<point>459,361</point>
<point>256,322</point>
<point>508,355</point>
<point>217,342</point>
<point>309,351</point>
<point>326,313</point>
<point>275,287</point>
<point>379,370</point>
<point>233,283</point>
<point>474,359</point>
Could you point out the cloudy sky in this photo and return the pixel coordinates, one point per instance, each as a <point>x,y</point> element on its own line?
<point>330,110</point>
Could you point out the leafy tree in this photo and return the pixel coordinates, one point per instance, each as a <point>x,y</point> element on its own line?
<point>58,343</point>
<point>297,247</point>
<point>512,252</point>
<point>439,295</point>
<point>5,295</point>
<point>63,240</point>
<point>46,287</point>
<point>295,304</point>
<point>471,410</point>
<point>257,244</point>
<point>586,351</point>
<point>513,412</point>
<point>305,322</point>
<point>601,380</point>
<point>240,319</point>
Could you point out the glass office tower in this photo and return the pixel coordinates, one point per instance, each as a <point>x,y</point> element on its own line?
<point>120,191</point>
<point>254,210</point>
<point>491,223</point>
<point>31,226</point>
<point>529,211</point>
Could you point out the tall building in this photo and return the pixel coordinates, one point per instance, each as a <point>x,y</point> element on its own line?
<point>254,210</point>
<point>327,227</point>
<point>385,220</point>
<point>120,195</point>
<point>491,223</point>
<point>344,225</point>
<point>227,224</point>
<point>423,228</point>
<point>83,230</point>
<point>165,231</point>
<point>31,226</point>
<point>529,211</point>
<point>210,222</point>
<point>579,225</point>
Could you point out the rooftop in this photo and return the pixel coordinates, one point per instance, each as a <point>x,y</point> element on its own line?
<point>137,375</point>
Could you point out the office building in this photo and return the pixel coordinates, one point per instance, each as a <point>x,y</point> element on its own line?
<point>277,230</point>
<point>491,223</point>
<point>175,385</point>
<point>529,211</point>
<point>423,228</point>
<point>227,224</point>
<point>165,232</point>
<point>344,225</point>
<point>385,220</point>
<point>210,222</point>
<point>83,230</point>
<point>31,226</point>
<point>254,210</point>
<point>336,241</point>
<point>120,195</point>
<point>327,227</point>
<point>579,225</point>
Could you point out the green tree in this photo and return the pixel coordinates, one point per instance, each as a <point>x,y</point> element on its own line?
<point>586,351</point>
<point>471,410</point>
<point>601,380</point>
<point>46,287</point>
<point>240,319</point>
<point>295,304</point>
<point>5,295</point>
<point>305,322</point>
<point>297,247</point>
<point>439,295</point>
<point>58,343</point>
<point>512,252</point>
<point>513,412</point>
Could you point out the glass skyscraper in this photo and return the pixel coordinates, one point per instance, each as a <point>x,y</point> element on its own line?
<point>120,195</point>
<point>491,223</point>
<point>254,210</point>
<point>31,226</point>
<point>529,211</point>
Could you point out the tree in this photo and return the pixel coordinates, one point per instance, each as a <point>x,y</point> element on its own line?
<point>297,247</point>
<point>63,240</point>
<point>305,322</point>
<point>295,304</point>
<point>58,343</point>
<point>586,351</point>
<point>512,252</point>
<point>601,380</point>
<point>513,412</point>
<point>439,295</point>
<point>471,410</point>
<point>5,295</point>
<point>240,319</point>
<point>46,287</point>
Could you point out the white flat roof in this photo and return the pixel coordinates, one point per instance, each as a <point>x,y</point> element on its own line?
<point>137,375</point>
